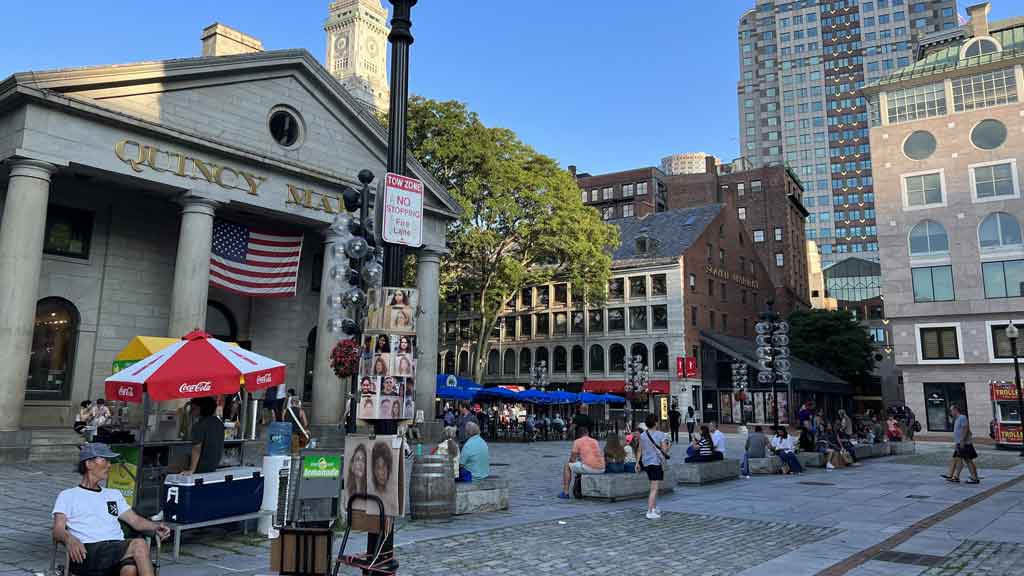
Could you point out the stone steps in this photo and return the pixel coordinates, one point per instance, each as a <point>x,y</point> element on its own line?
<point>54,444</point>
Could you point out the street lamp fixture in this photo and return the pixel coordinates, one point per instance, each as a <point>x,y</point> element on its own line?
<point>539,375</point>
<point>638,378</point>
<point>1012,333</point>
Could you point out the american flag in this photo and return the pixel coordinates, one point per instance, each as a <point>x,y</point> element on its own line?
<point>254,263</point>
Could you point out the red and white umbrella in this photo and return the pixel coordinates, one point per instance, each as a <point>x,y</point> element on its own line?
<point>199,365</point>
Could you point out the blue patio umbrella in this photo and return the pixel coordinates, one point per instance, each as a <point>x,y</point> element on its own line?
<point>451,387</point>
<point>532,396</point>
<point>613,399</point>
<point>563,397</point>
<point>590,398</point>
<point>497,393</point>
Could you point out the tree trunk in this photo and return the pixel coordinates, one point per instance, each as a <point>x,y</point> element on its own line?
<point>478,355</point>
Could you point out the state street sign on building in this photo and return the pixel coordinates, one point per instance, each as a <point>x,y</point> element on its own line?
<point>403,210</point>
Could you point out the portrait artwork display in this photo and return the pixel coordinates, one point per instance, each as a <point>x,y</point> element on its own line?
<point>387,369</point>
<point>374,466</point>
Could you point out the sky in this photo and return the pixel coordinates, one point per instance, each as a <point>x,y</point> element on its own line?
<point>604,85</point>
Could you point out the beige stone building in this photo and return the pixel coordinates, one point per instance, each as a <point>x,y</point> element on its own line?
<point>816,279</point>
<point>945,138</point>
<point>357,45</point>
<point>687,163</point>
<point>112,181</point>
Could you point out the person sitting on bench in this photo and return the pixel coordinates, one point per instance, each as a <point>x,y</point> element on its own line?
<point>704,448</point>
<point>584,458</point>
<point>86,519</point>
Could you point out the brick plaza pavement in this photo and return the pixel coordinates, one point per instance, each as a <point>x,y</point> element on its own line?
<point>763,526</point>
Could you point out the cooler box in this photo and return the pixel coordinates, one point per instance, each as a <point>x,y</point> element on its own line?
<point>219,494</point>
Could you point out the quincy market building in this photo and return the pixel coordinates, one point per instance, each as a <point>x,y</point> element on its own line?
<point>112,179</point>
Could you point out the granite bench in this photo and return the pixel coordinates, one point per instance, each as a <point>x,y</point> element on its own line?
<point>901,448</point>
<point>773,464</point>
<point>863,451</point>
<point>811,459</point>
<point>707,472</point>
<point>487,495</point>
<point>612,487</point>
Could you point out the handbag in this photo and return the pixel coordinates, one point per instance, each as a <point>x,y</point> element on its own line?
<point>663,454</point>
<point>847,457</point>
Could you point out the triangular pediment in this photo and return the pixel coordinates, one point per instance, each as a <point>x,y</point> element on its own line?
<point>228,100</point>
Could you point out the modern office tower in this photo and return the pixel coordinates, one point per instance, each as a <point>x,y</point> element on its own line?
<point>686,163</point>
<point>802,66</point>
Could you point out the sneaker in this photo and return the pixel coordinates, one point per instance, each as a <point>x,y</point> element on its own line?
<point>652,515</point>
<point>973,481</point>
<point>746,476</point>
<point>158,517</point>
<point>657,511</point>
<point>829,466</point>
<point>563,496</point>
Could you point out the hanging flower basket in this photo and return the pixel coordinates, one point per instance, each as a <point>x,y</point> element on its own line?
<point>345,358</point>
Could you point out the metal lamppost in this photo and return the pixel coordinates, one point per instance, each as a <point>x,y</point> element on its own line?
<point>773,356</point>
<point>539,375</point>
<point>739,381</point>
<point>638,378</point>
<point>1012,333</point>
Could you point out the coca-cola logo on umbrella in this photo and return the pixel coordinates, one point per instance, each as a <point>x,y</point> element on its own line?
<point>126,392</point>
<point>196,388</point>
<point>264,378</point>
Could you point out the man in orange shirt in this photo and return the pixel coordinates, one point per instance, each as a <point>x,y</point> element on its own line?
<point>586,458</point>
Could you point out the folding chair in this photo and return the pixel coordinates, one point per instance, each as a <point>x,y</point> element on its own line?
<point>64,569</point>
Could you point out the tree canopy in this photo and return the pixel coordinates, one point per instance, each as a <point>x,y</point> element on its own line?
<point>523,221</point>
<point>834,341</point>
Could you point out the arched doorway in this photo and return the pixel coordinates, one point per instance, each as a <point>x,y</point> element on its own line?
<point>307,378</point>
<point>220,322</point>
<point>54,339</point>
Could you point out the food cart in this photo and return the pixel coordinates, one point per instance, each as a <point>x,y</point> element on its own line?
<point>175,369</point>
<point>1006,413</point>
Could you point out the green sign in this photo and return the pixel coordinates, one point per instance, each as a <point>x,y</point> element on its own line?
<point>321,467</point>
<point>123,471</point>
<point>122,364</point>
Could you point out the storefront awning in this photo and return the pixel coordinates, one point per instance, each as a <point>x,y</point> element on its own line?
<point>619,386</point>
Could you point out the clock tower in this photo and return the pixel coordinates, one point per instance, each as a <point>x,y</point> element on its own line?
<point>357,40</point>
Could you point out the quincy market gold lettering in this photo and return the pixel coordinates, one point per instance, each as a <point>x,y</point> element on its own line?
<point>313,200</point>
<point>725,275</point>
<point>139,156</point>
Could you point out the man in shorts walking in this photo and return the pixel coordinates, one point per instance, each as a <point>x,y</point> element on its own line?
<point>585,458</point>
<point>964,452</point>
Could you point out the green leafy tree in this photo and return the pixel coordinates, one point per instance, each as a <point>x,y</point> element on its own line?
<point>834,341</point>
<point>523,220</point>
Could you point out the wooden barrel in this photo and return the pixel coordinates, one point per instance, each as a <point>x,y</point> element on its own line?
<point>432,490</point>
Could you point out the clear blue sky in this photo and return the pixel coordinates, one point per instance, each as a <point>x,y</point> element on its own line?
<point>604,85</point>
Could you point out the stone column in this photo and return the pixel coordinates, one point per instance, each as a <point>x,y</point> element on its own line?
<point>21,257</point>
<point>192,267</point>
<point>428,277</point>
<point>329,394</point>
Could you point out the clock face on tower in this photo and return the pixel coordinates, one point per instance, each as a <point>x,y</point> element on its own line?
<point>341,43</point>
<point>371,48</point>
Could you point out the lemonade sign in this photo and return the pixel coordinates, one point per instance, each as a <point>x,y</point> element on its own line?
<point>123,471</point>
<point>321,467</point>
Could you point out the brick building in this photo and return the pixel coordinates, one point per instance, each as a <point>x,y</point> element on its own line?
<point>624,194</point>
<point>768,201</point>
<point>675,275</point>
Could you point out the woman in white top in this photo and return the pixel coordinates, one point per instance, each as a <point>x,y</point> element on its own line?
<point>782,446</point>
<point>691,422</point>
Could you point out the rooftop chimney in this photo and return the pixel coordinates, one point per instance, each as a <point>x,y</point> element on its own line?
<point>978,15</point>
<point>221,40</point>
<point>572,170</point>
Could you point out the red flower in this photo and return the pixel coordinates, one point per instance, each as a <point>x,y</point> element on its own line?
<point>345,358</point>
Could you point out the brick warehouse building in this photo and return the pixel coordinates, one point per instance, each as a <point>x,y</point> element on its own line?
<point>623,194</point>
<point>676,274</point>
<point>768,201</point>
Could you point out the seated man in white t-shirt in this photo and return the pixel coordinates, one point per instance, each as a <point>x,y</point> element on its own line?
<point>85,519</point>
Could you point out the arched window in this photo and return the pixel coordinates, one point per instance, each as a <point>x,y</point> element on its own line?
<point>493,358</point>
<point>561,360</point>
<point>220,322</point>
<point>307,378</point>
<point>509,368</point>
<point>928,238</point>
<point>463,363</point>
<point>617,358</point>
<point>980,47</point>
<point>660,356</point>
<point>525,364</point>
<point>640,350</point>
<point>596,359</point>
<point>577,359</point>
<point>54,338</point>
<point>542,356</point>
<point>999,230</point>
<point>449,362</point>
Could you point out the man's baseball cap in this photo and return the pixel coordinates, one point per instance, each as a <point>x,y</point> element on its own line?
<point>96,450</point>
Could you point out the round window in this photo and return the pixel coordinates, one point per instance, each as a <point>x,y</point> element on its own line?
<point>919,145</point>
<point>989,134</point>
<point>285,127</point>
